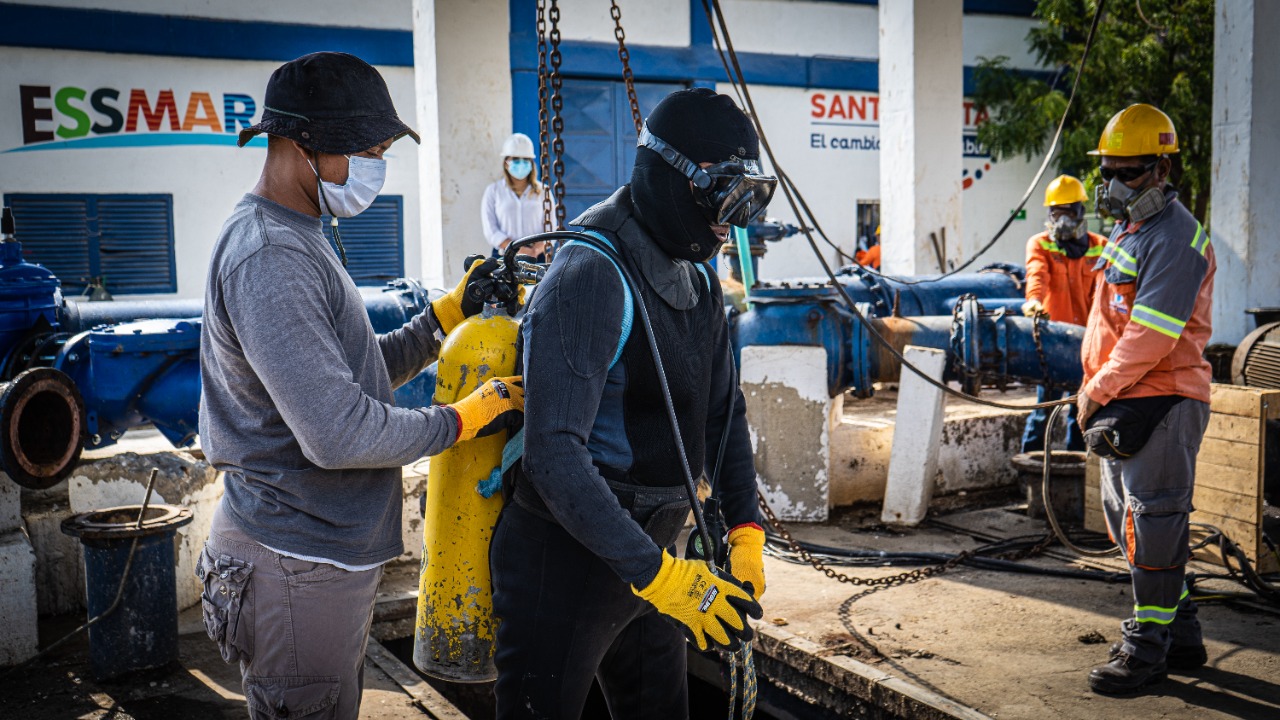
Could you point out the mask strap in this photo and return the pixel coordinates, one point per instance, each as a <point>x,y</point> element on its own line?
<point>674,158</point>
<point>333,219</point>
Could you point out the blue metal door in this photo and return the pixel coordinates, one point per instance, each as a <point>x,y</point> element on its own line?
<point>600,137</point>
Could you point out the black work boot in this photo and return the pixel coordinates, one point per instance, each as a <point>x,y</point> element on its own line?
<point>1125,673</point>
<point>1179,657</point>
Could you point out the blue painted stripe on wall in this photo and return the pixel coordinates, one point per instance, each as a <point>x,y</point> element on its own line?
<point>701,64</point>
<point>150,34</point>
<point>157,139</point>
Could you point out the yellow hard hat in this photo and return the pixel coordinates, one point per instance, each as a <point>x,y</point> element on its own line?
<point>1138,130</point>
<point>1064,190</point>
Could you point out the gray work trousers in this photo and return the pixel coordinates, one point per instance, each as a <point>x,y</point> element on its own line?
<point>298,629</point>
<point>1147,502</point>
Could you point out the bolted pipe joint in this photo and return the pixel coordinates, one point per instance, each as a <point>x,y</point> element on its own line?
<point>42,424</point>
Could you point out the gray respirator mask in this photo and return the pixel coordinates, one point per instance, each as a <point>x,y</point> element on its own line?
<point>1067,227</point>
<point>1116,200</point>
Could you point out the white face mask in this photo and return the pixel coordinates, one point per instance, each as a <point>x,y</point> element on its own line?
<point>365,177</point>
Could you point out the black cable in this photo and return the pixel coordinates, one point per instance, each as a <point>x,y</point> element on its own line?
<point>826,267</point>
<point>613,255</point>
<point>1048,504</point>
<point>785,180</point>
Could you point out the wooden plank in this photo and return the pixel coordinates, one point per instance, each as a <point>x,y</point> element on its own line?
<point>1245,508</point>
<point>1227,479</point>
<point>428,697</point>
<point>1271,408</point>
<point>1094,520</point>
<point>1234,428</point>
<point>1235,400</point>
<point>1234,455</point>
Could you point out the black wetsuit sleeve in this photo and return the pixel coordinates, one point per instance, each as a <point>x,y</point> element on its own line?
<point>571,334</point>
<point>737,481</point>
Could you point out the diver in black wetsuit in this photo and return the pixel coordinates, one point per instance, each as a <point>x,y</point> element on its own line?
<point>586,582</point>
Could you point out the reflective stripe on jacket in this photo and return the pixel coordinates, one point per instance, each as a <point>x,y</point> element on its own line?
<point>1065,286</point>
<point>1152,317</point>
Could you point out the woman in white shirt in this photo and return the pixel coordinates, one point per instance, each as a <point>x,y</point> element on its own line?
<point>512,205</point>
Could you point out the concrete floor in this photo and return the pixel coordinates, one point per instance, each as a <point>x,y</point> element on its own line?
<point>1014,646</point>
<point>202,687</point>
<point>999,645</point>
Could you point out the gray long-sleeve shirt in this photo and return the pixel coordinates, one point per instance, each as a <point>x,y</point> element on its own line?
<point>296,404</point>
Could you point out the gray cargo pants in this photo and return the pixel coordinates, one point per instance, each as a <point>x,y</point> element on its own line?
<point>298,628</point>
<point>1147,500</point>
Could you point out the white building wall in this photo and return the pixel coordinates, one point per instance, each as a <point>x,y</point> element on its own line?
<point>651,22</point>
<point>800,27</point>
<point>836,165</point>
<point>206,181</point>
<point>383,14</point>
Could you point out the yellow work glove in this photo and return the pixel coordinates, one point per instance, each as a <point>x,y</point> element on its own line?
<point>459,305</point>
<point>494,406</point>
<point>710,609</point>
<point>1032,308</point>
<point>746,557</point>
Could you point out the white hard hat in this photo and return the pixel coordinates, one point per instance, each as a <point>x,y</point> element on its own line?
<point>518,145</point>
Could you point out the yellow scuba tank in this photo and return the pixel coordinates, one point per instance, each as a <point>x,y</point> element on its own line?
<point>455,634</point>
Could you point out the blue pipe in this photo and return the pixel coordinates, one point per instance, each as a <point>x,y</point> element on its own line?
<point>987,346</point>
<point>148,371</point>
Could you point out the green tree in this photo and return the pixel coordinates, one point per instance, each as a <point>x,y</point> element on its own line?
<point>1152,51</point>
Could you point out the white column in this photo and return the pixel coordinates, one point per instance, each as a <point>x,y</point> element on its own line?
<point>1245,219</point>
<point>921,119</point>
<point>462,69</point>
<point>917,439</point>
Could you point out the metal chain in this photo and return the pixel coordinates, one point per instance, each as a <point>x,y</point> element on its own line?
<point>544,160</point>
<point>911,576</point>
<point>625,57</point>
<point>557,120</point>
<point>1044,361</point>
<point>906,578</point>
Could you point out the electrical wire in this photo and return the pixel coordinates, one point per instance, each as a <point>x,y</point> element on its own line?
<point>717,18</point>
<point>1048,504</point>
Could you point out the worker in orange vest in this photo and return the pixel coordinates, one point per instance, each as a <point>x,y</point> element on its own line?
<point>871,256</point>
<point>1061,281</point>
<point>1145,399</point>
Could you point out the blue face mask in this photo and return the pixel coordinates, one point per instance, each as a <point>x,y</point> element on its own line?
<point>519,168</point>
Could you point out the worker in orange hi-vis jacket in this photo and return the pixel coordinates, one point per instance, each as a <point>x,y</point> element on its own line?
<point>1145,399</point>
<point>871,256</point>
<point>1061,281</point>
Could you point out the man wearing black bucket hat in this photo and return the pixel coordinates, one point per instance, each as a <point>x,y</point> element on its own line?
<point>586,580</point>
<point>296,405</point>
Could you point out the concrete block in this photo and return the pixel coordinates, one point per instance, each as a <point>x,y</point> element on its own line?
<point>18,634</point>
<point>913,461</point>
<point>59,560</point>
<point>183,480</point>
<point>790,417</point>
<point>10,504</point>
<point>977,442</point>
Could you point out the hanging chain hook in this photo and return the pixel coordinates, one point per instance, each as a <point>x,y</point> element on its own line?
<point>627,77</point>
<point>557,119</point>
<point>544,160</point>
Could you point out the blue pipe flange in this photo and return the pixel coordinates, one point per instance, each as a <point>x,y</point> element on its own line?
<point>861,379</point>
